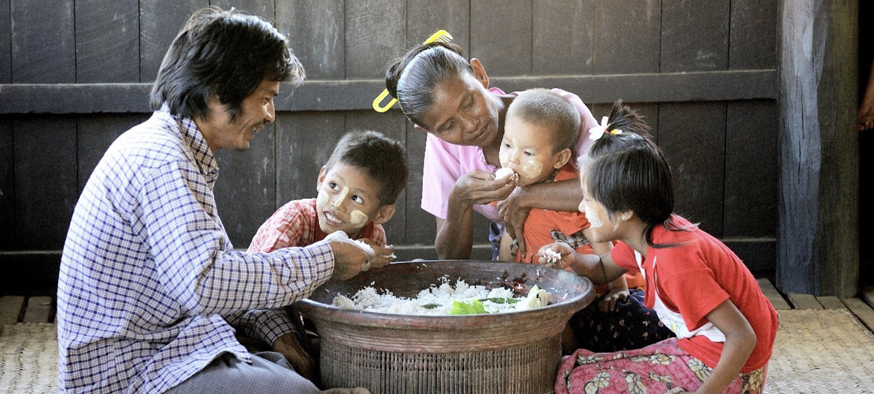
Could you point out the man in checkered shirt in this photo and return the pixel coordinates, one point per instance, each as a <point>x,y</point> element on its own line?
<point>150,284</point>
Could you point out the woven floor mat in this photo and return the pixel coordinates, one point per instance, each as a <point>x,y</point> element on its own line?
<point>817,351</point>
<point>821,351</point>
<point>29,358</point>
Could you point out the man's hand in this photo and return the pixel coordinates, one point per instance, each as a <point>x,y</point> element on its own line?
<point>299,359</point>
<point>352,257</point>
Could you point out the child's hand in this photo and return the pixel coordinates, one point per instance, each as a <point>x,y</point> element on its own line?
<point>608,303</point>
<point>558,255</point>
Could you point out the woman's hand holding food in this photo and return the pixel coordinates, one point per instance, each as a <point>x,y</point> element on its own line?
<point>481,187</point>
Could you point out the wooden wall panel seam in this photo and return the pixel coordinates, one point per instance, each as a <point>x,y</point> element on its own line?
<point>344,95</point>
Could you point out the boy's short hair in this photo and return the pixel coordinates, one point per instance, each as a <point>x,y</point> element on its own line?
<point>544,107</point>
<point>384,159</point>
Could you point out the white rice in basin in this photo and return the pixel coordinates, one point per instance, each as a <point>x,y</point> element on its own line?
<point>435,300</point>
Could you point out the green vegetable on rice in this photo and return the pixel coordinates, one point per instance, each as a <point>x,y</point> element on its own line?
<point>536,298</point>
<point>463,308</point>
<point>442,300</point>
<point>501,300</point>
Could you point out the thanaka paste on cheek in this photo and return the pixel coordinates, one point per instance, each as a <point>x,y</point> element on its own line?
<point>503,157</point>
<point>515,150</point>
<point>322,199</point>
<point>531,169</point>
<point>592,216</point>
<point>616,223</point>
<point>341,197</point>
<point>358,218</point>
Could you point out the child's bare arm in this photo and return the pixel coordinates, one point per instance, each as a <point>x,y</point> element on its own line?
<point>504,252</point>
<point>618,288</point>
<point>599,269</point>
<point>740,340</point>
<point>618,291</point>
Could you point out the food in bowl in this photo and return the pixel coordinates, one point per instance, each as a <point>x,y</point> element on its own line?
<point>444,299</point>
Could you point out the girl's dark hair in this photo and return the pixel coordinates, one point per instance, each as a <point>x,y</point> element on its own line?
<point>626,118</point>
<point>412,78</point>
<point>226,53</point>
<point>634,131</point>
<point>383,158</point>
<point>638,179</point>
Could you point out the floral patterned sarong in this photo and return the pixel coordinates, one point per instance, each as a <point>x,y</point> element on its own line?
<point>659,368</point>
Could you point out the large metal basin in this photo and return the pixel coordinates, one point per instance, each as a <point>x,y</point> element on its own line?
<point>511,352</point>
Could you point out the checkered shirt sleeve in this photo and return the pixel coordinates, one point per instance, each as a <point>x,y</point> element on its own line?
<point>293,224</point>
<point>148,271</point>
<point>575,240</point>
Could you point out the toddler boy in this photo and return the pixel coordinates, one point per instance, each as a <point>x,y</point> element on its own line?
<point>541,130</point>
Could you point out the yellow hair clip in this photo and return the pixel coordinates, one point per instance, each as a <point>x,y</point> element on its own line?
<point>439,36</point>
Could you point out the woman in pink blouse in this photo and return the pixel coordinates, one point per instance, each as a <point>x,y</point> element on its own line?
<point>449,97</point>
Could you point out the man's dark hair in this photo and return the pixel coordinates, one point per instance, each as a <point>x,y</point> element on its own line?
<point>383,158</point>
<point>226,53</point>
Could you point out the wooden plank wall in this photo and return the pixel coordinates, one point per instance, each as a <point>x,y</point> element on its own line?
<point>819,149</point>
<point>75,74</point>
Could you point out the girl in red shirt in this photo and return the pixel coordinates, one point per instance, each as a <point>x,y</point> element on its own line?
<point>725,326</point>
